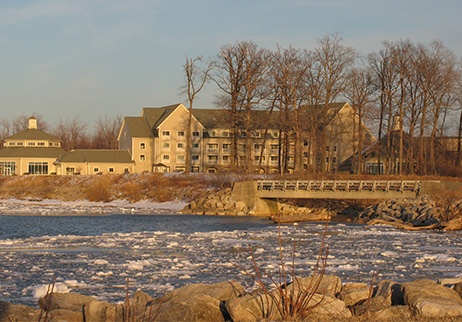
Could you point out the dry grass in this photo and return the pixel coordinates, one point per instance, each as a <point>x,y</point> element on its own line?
<point>133,187</point>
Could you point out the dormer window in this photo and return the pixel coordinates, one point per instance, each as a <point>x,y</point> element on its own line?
<point>30,143</point>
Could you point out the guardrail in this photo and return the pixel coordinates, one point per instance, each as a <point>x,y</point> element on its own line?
<point>340,185</point>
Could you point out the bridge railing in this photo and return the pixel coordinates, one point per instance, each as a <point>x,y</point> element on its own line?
<point>339,185</point>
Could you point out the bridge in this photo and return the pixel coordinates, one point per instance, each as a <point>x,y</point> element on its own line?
<point>263,195</point>
<point>338,189</point>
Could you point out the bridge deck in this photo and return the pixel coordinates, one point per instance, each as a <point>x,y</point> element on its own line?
<point>338,189</point>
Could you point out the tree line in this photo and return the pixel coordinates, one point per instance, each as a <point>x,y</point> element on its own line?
<point>409,94</point>
<point>73,132</point>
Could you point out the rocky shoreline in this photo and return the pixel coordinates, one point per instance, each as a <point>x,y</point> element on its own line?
<point>413,214</point>
<point>315,298</point>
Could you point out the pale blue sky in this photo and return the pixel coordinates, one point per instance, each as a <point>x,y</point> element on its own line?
<point>62,58</point>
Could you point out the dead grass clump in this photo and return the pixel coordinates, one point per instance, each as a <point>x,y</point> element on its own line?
<point>99,189</point>
<point>284,297</point>
<point>132,191</point>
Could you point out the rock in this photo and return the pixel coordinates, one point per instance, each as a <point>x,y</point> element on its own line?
<point>458,289</point>
<point>189,309</point>
<point>65,315</point>
<point>97,311</point>
<point>353,293</point>
<point>221,291</point>
<point>17,312</point>
<point>391,313</point>
<point>328,285</point>
<point>195,302</point>
<point>65,301</point>
<point>427,299</point>
<point>270,306</point>
<point>240,205</point>
<point>391,292</point>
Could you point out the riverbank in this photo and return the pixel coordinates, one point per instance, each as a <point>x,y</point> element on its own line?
<point>37,207</point>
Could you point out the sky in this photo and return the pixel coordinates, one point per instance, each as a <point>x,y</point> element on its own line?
<point>89,59</point>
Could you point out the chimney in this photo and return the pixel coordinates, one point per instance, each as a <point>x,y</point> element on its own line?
<point>32,123</point>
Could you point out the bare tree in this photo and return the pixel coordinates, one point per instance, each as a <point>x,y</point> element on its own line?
<point>106,132</point>
<point>289,73</point>
<point>333,61</point>
<point>239,74</point>
<point>359,93</point>
<point>73,134</point>
<point>195,79</point>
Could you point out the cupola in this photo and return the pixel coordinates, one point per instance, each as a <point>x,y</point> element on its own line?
<point>32,123</point>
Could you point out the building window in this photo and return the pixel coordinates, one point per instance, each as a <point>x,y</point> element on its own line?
<point>166,146</point>
<point>225,134</point>
<point>226,159</point>
<point>111,170</point>
<point>166,157</point>
<point>212,159</point>
<point>31,143</point>
<point>226,146</point>
<point>95,169</point>
<point>212,147</point>
<point>142,157</point>
<point>142,146</point>
<point>180,146</point>
<point>180,134</point>
<point>195,157</point>
<point>166,134</point>
<point>38,167</point>
<point>180,158</point>
<point>7,168</point>
<point>70,170</point>
<point>195,145</point>
<point>11,143</point>
<point>196,134</point>
<point>213,133</point>
<point>20,143</point>
<point>195,169</point>
<point>41,143</point>
<point>126,170</point>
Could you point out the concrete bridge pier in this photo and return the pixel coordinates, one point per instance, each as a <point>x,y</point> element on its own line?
<point>246,191</point>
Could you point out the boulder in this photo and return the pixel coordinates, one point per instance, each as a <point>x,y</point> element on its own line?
<point>65,301</point>
<point>195,302</point>
<point>427,299</point>
<point>17,312</point>
<point>97,311</point>
<point>274,306</point>
<point>353,293</point>
<point>221,291</point>
<point>458,289</point>
<point>65,315</point>
<point>329,285</point>
<point>197,308</point>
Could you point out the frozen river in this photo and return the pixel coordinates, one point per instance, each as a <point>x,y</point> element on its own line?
<point>95,255</point>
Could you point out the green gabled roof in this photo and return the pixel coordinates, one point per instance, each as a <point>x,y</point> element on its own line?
<point>35,152</point>
<point>33,134</point>
<point>221,118</point>
<point>138,127</point>
<point>156,115</point>
<point>100,156</point>
<point>212,118</point>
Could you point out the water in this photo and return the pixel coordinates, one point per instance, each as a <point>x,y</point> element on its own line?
<point>97,255</point>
